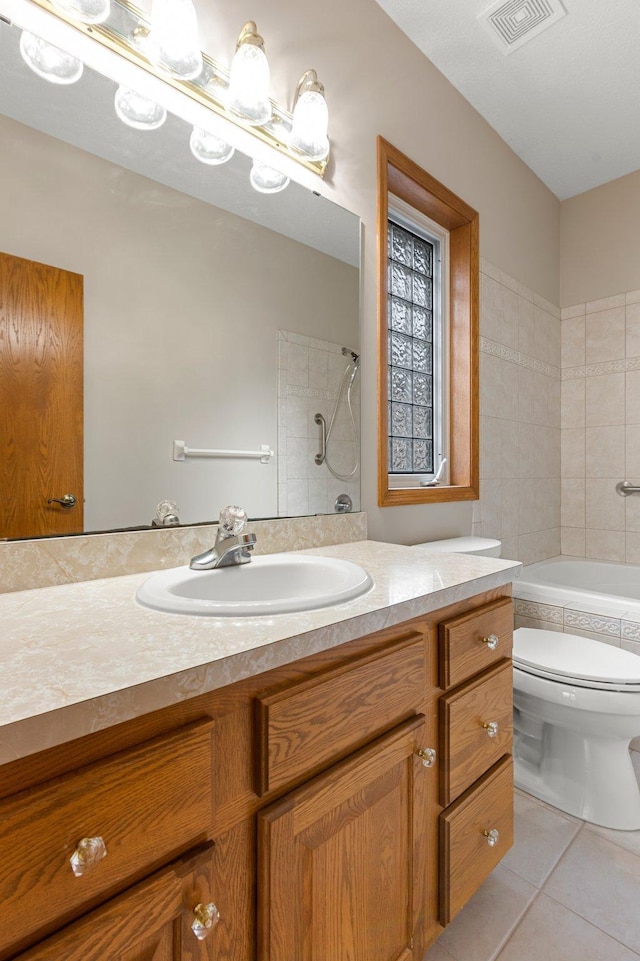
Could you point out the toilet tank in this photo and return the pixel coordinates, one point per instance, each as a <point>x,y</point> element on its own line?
<point>485,546</point>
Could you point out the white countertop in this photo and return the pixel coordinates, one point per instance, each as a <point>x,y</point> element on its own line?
<point>79,657</point>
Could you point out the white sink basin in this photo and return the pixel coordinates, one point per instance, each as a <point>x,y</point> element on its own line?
<point>273,584</point>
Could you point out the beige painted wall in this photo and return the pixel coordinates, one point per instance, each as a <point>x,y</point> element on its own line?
<point>600,242</point>
<point>378,82</point>
<point>182,305</point>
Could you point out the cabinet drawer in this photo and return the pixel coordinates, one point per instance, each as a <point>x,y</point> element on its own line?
<point>304,726</point>
<point>466,644</point>
<point>148,804</point>
<point>476,727</point>
<point>144,921</point>
<point>467,854</point>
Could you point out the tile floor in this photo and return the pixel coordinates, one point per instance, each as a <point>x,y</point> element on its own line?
<point>567,891</point>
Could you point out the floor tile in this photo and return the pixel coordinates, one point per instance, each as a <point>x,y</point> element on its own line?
<point>437,953</point>
<point>551,931</point>
<point>629,840</point>
<point>487,920</point>
<point>600,881</point>
<point>542,834</point>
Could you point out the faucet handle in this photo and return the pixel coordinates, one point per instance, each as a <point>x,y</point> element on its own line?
<point>232,521</point>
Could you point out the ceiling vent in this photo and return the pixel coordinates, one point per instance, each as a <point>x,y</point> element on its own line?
<point>512,23</point>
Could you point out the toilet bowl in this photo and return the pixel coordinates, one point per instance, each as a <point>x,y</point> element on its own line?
<point>576,709</point>
<point>483,546</point>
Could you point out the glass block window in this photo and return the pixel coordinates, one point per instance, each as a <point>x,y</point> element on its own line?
<point>411,261</point>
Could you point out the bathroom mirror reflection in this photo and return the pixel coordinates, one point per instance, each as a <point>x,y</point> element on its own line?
<point>210,314</point>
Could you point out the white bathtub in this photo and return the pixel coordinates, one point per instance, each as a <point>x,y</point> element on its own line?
<point>582,585</point>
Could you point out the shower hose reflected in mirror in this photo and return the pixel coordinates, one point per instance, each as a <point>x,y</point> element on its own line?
<point>346,385</point>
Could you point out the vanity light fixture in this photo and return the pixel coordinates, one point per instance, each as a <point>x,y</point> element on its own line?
<point>137,111</point>
<point>49,62</point>
<point>267,180</point>
<point>209,149</point>
<point>248,94</point>
<point>172,42</point>
<point>86,11</point>
<point>310,118</point>
<point>165,47</point>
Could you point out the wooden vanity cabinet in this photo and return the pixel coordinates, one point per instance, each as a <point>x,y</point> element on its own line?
<point>338,805</point>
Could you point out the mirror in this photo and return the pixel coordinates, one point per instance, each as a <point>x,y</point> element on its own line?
<point>213,315</point>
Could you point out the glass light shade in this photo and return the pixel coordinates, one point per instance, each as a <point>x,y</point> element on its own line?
<point>138,111</point>
<point>208,148</point>
<point>86,11</point>
<point>267,180</point>
<point>49,62</point>
<point>173,39</point>
<point>310,125</point>
<point>248,94</point>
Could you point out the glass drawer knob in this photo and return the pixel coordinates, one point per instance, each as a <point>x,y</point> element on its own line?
<point>492,837</point>
<point>427,756</point>
<point>206,918</point>
<point>491,727</point>
<point>88,853</point>
<point>491,641</point>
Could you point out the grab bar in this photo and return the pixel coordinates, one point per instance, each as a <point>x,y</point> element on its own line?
<point>319,458</point>
<point>180,451</point>
<point>624,488</point>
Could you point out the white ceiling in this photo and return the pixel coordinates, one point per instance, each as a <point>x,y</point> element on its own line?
<point>567,102</point>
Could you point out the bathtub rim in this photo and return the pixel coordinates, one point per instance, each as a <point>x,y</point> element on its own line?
<point>527,588</point>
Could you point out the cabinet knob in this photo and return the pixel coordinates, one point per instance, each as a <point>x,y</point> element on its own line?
<point>88,853</point>
<point>492,836</point>
<point>427,756</point>
<point>491,727</point>
<point>491,640</point>
<point>206,918</point>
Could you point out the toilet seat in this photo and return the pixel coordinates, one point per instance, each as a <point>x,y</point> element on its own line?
<point>580,661</point>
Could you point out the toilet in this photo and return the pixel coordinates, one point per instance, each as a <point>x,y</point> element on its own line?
<point>483,546</point>
<point>576,709</point>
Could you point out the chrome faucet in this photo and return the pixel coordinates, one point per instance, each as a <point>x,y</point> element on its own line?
<point>232,547</point>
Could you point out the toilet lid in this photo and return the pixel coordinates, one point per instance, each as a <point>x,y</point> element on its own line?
<point>580,660</point>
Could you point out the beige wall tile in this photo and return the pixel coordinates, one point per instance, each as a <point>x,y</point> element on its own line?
<point>573,402</point>
<point>604,398</point>
<point>573,452</point>
<point>491,308</point>
<point>538,546</point>
<point>573,495</point>
<point>605,545</point>
<point>578,310</point>
<point>573,342</point>
<point>573,541</point>
<point>632,549</point>
<point>605,336</point>
<point>510,322</point>
<point>632,514</point>
<point>632,327</point>
<point>632,399</point>
<point>617,300</point>
<point>605,509</point>
<point>632,297</point>
<point>604,451</point>
<point>632,452</point>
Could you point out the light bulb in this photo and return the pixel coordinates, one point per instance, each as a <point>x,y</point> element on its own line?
<point>86,11</point>
<point>310,123</point>
<point>49,62</point>
<point>208,148</point>
<point>248,93</point>
<point>267,180</point>
<point>138,111</point>
<point>173,39</point>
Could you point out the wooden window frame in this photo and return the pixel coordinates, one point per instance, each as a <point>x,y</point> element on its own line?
<point>400,176</point>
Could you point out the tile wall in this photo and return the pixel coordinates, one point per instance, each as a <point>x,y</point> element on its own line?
<point>520,419</point>
<point>601,427</point>
<point>310,373</point>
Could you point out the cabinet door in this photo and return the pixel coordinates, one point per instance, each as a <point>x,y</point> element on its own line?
<point>343,860</point>
<point>150,922</point>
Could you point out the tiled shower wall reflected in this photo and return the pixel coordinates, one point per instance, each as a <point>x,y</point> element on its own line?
<point>519,419</point>
<point>601,427</point>
<point>310,373</point>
